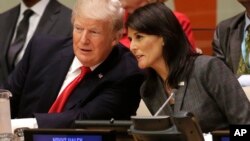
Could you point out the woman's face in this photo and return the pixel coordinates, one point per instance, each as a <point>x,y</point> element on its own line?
<point>147,49</point>
<point>131,5</point>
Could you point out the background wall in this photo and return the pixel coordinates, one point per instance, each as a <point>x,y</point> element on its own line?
<point>224,8</point>
<point>6,4</point>
<point>204,16</point>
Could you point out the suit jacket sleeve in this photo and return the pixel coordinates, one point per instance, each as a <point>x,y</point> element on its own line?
<point>117,101</point>
<point>223,88</point>
<point>216,44</point>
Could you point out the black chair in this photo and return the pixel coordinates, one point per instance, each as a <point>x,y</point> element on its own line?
<point>187,124</point>
<point>184,127</point>
<point>164,135</point>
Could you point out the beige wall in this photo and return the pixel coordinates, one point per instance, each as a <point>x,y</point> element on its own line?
<point>226,8</point>
<point>6,4</point>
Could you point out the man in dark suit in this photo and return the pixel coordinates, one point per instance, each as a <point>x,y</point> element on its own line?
<point>229,43</point>
<point>110,90</point>
<point>49,18</point>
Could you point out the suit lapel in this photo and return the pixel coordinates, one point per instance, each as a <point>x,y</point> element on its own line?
<point>10,28</point>
<point>235,44</point>
<point>179,96</point>
<point>49,18</point>
<point>154,99</point>
<point>57,71</point>
<point>160,98</point>
<point>88,85</point>
<point>84,91</point>
<point>7,27</point>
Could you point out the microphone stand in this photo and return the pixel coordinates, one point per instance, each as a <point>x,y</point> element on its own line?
<point>164,104</point>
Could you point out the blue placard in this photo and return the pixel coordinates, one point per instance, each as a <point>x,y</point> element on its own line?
<point>225,139</point>
<point>40,137</point>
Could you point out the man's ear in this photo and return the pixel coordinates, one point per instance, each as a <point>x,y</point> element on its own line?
<point>117,37</point>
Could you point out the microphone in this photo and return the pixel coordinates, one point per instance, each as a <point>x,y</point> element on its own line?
<point>165,103</point>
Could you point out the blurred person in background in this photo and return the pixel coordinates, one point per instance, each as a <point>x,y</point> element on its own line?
<point>19,24</point>
<point>131,5</point>
<point>231,43</point>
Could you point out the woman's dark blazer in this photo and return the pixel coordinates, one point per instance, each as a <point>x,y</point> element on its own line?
<point>212,94</point>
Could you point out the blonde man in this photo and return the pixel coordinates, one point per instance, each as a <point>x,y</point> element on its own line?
<point>109,90</point>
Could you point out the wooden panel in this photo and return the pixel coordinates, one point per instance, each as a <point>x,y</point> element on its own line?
<point>203,39</point>
<point>201,14</point>
<point>203,17</point>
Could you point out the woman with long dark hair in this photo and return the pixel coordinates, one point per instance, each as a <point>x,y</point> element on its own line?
<point>201,84</point>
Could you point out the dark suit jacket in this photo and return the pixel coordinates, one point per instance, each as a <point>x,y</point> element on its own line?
<point>110,91</point>
<point>212,94</point>
<point>227,40</point>
<point>55,21</point>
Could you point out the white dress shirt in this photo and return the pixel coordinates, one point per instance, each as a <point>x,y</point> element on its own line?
<point>73,72</point>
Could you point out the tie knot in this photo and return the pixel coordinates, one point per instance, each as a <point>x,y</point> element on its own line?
<point>27,13</point>
<point>85,70</point>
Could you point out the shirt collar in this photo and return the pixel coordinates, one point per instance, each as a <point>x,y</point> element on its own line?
<point>38,8</point>
<point>247,22</point>
<point>76,64</point>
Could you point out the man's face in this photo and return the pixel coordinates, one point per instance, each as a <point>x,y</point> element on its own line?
<point>93,40</point>
<point>30,3</point>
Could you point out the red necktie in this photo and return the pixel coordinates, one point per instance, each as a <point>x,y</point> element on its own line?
<point>61,100</point>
